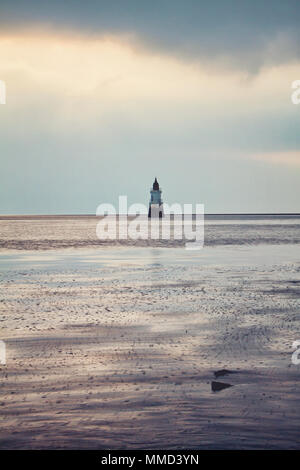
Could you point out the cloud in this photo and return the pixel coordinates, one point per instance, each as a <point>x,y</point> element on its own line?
<point>286,158</point>
<point>67,84</point>
<point>109,71</point>
<point>236,33</point>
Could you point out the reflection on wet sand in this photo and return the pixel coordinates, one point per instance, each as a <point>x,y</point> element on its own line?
<point>119,348</point>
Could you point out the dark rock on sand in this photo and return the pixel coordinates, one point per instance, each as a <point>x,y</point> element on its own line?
<point>218,386</point>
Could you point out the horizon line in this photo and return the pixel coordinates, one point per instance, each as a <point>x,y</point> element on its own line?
<point>133,215</point>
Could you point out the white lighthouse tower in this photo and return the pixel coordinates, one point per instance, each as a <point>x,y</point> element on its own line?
<point>155,204</point>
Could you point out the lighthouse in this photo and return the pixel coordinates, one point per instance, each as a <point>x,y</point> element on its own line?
<point>155,204</point>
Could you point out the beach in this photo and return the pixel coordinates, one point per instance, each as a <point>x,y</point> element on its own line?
<point>117,345</point>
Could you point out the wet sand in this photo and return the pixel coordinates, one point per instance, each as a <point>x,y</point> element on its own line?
<point>117,348</point>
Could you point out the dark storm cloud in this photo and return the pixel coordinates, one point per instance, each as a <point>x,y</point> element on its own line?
<point>246,34</point>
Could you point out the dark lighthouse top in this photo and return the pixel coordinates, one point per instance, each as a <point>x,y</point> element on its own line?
<point>155,185</point>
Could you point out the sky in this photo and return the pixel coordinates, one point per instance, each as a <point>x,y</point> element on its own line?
<point>101,97</point>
